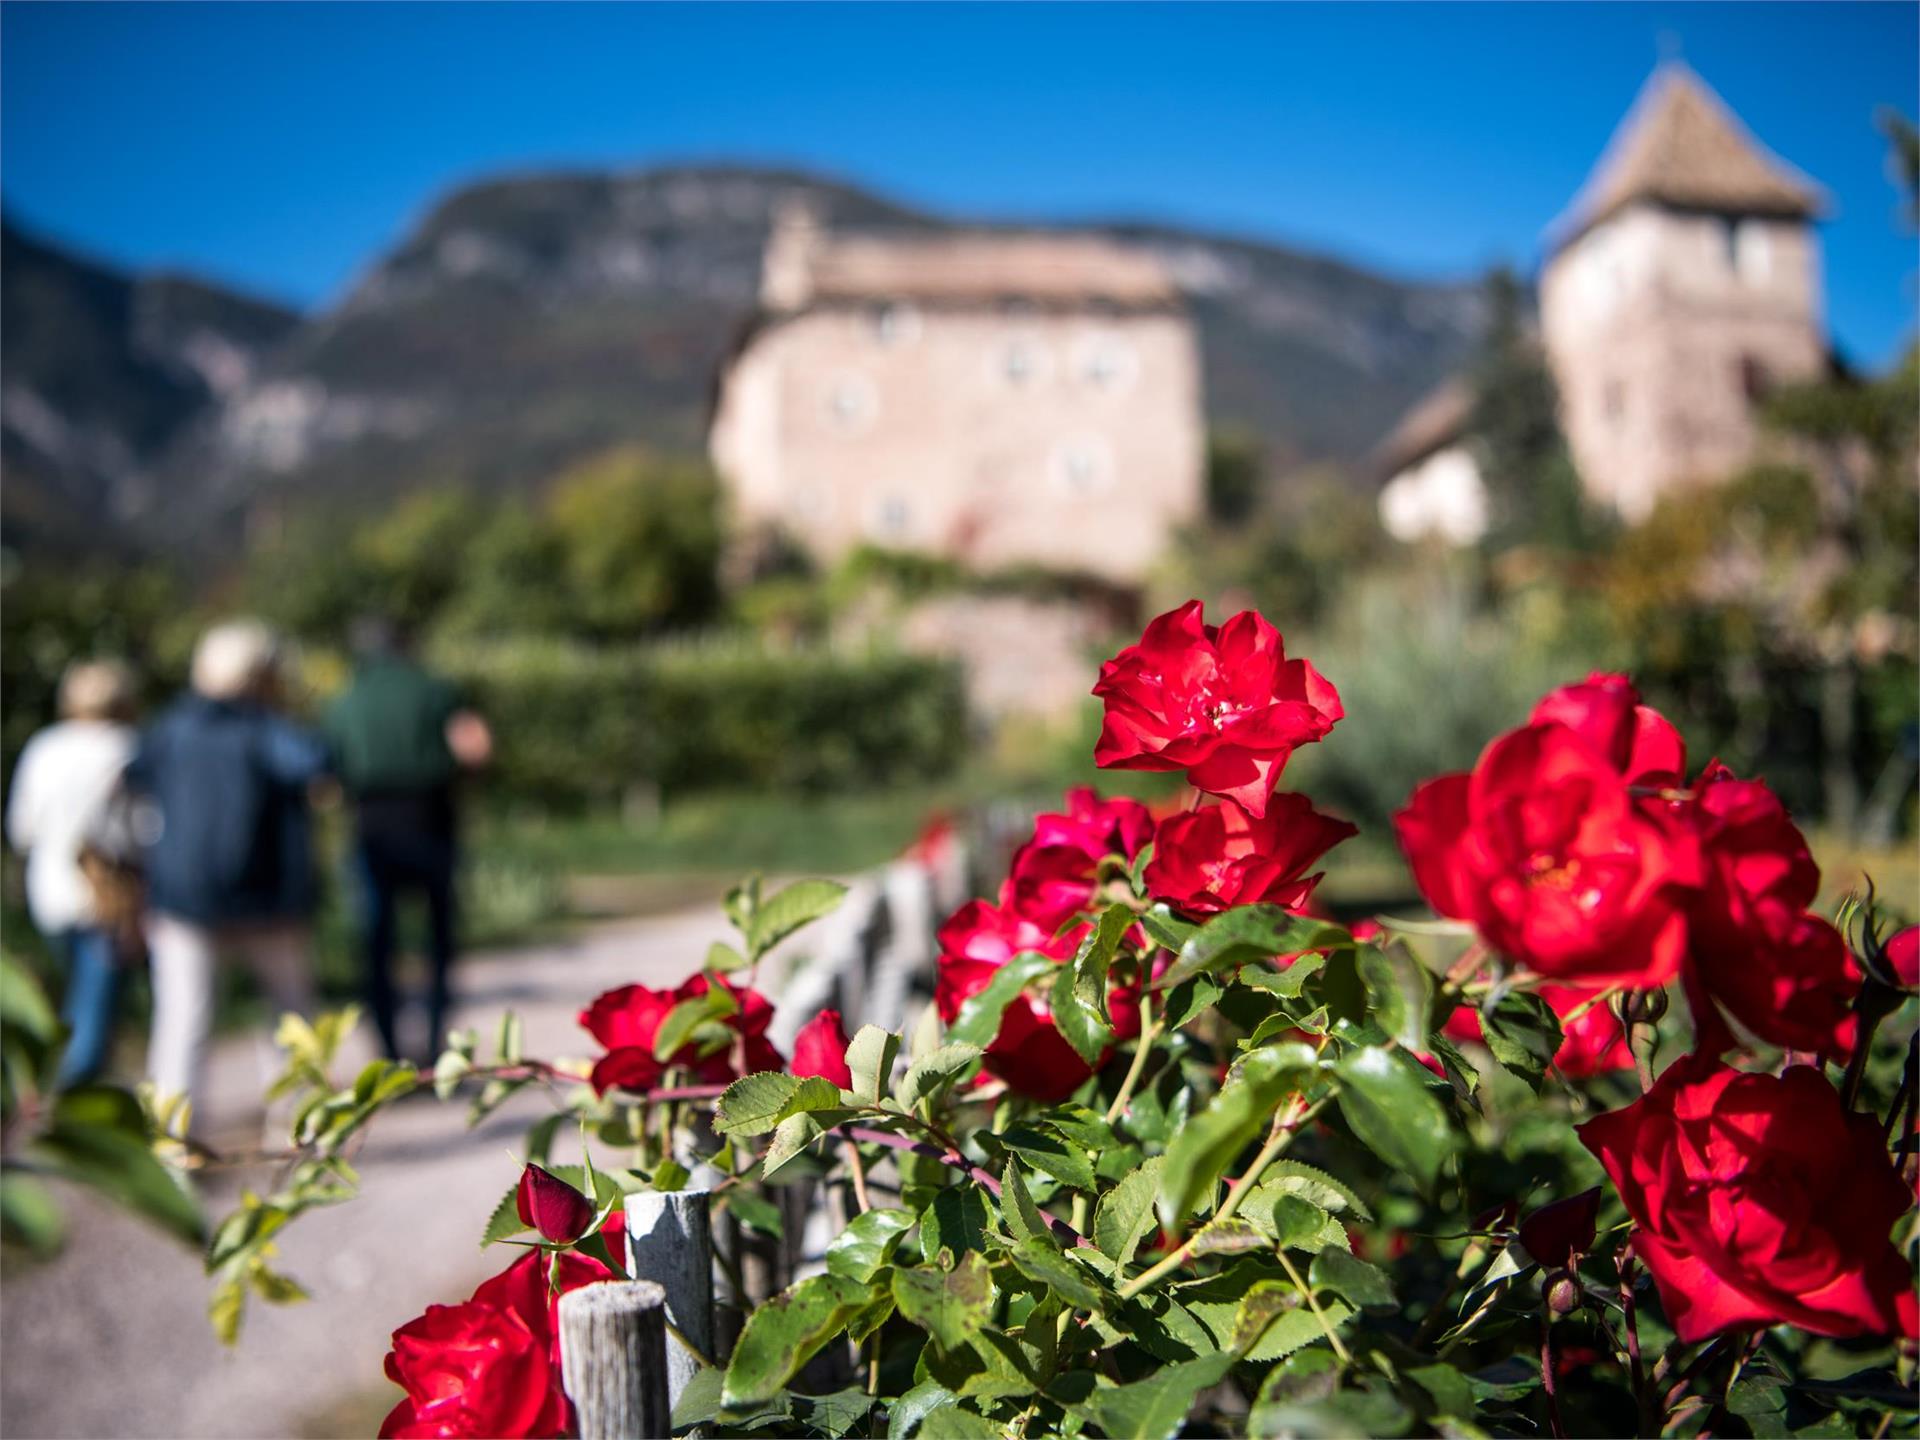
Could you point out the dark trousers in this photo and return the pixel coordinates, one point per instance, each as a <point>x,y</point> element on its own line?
<point>406,848</point>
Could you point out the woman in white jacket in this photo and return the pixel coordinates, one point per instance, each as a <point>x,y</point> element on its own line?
<point>67,775</point>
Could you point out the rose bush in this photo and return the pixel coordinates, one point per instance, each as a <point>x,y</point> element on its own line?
<point>1623,1142</point>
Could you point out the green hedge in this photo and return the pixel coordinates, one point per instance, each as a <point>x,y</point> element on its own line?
<point>575,725</point>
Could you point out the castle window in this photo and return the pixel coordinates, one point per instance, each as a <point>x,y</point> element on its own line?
<point>852,403</point>
<point>1753,252</point>
<point>1082,467</point>
<point>892,517</point>
<point>1106,362</point>
<point>1755,383</point>
<point>1023,361</point>
<point>896,324</point>
<point>1730,242</point>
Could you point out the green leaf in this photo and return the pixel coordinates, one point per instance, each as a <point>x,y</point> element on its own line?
<point>790,1137</point>
<point>953,1305</point>
<point>1165,928</point>
<point>723,959</point>
<point>1287,983</point>
<point>783,1334</point>
<point>1045,1263</point>
<point>927,1077</point>
<point>23,1004</point>
<point>1187,1003</point>
<point>507,1042</point>
<point>870,1059</point>
<point>1248,932</point>
<point>866,1245</point>
<point>906,1413</point>
<point>29,1215</point>
<point>838,1413</point>
<point>1399,993</point>
<point>1448,1388</point>
<point>979,1019</point>
<point>1156,1408</point>
<point>1291,1177</point>
<point>714,1003</point>
<point>741,902</point>
<point>1352,1279</point>
<point>1050,1153</point>
<point>1094,959</point>
<point>121,1167</point>
<point>1023,1217</point>
<point>1080,1025</point>
<point>754,1104</point>
<point>1126,1213</point>
<point>957,1221</point>
<point>1386,1101</point>
<point>224,1308</point>
<point>448,1071</point>
<point>1213,1139</point>
<point>700,1401</point>
<point>1523,1033</point>
<point>1137,871</point>
<point>1293,1223</point>
<point>801,903</point>
<point>505,1219</point>
<point>756,1212</point>
<point>1235,1236</point>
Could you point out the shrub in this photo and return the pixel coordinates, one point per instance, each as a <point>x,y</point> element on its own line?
<point>576,724</point>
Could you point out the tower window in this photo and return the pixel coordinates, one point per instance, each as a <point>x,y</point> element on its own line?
<point>896,324</point>
<point>1753,252</point>
<point>1755,383</point>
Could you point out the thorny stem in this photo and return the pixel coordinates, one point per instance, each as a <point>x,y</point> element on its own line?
<point>1306,1290</point>
<point>953,1157</point>
<point>1630,1323</point>
<point>1909,1078</point>
<point>1548,1380</point>
<point>1286,1125</point>
<point>858,1170</point>
<point>1149,1032</point>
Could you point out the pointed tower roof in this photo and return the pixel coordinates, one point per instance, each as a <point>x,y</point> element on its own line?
<point>1680,145</point>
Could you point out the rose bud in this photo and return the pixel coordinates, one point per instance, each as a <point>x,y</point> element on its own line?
<point>558,1211</point>
<point>1563,1293</point>
<point>821,1049</point>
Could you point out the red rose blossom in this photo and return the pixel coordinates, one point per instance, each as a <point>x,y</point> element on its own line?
<point>1555,861</point>
<point>1903,957</point>
<point>1027,1052</point>
<point>627,1019</point>
<point>1605,711</point>
<point>1219,856</point>
<point>1758,1199</point>
<point>1757,950</point>
<point>1052,876</point>
<point>489,1366</point>
<point>1221,702</point>
<point>821,1049</point>
<point>551,1206</point>
<point>1591,1045</point>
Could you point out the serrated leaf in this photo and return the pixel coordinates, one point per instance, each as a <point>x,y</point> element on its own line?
<point>1287,983</point>
<point>905,1414</point>
<point>1399,992</point>
<point>1137,871</point>
<point>699,1401</point>
<point>754,1104</point>
<point>1248,932</point>
<point>783,1334</point>
<point>505,1219</point>
<point>957,1221</point>
<point>677,1029</point>
<point>1209,1142</point>
<point>121,1167</point>
<point>1389,1108</point>
<point>1051,1154</point>
<point>870,1058</point>
<point>1044,1263</point>
<point>953,1305</point>
<point>1523,1033</point>
<point>1165,928</point>
<point>448,1071</point>
<point>779,915</point>
<point>1229,1237</point>
<point>1094,959</point>
<point>861,1250</point>
<point>1187,1003</point>
<point>723,959</point>
<point>979,1018</point>
<point>1353,1279</point>
<point>1291,1177</point>
<point>1156,1408</point>
<point>1080,1026</point>
<point>927,1077</point>
<point>1023,1217</point>
<point>791,1136</point>
<point>1126,1213</point>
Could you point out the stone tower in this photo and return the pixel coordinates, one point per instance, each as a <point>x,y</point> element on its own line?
<point>1682,284</point>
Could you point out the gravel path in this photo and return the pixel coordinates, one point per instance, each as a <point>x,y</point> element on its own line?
<point>111,1339</point>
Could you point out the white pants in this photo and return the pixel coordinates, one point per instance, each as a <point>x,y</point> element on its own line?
<point>184,955</point>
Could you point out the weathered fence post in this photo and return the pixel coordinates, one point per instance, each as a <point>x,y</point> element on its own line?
<point>670,1242</point>
<point>613,1359</point>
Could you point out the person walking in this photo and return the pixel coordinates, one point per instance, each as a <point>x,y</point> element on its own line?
<point>64,787</point>
<point>400,738</point>
<point>230,870</point>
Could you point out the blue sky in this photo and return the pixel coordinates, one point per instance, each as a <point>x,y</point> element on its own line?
<point>283,147</point>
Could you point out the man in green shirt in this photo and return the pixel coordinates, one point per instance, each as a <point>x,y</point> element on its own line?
<point>400,739</point>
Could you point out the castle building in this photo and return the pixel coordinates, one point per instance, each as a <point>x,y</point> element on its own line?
<point>1682,284</point>
<point>1000,399</point>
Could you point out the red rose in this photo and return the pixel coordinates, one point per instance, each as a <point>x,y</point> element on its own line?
<point>821,1049</point>
<point>1027,1052</point>
<point>1903,957</point>
<point>1781,971</point>
<point>1219,856</point>
<point>1591,1045</point>
<point>1222,703</point>
<point>1557,864</point>
<point>1758,1199</point>
<point>547,1203</point>
<point>627,1019</point>
<point>491,1365</point>
<point>1605,711</point>
<point>1053,874</point>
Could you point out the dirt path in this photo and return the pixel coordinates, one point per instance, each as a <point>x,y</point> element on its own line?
<point>111,1339</point>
